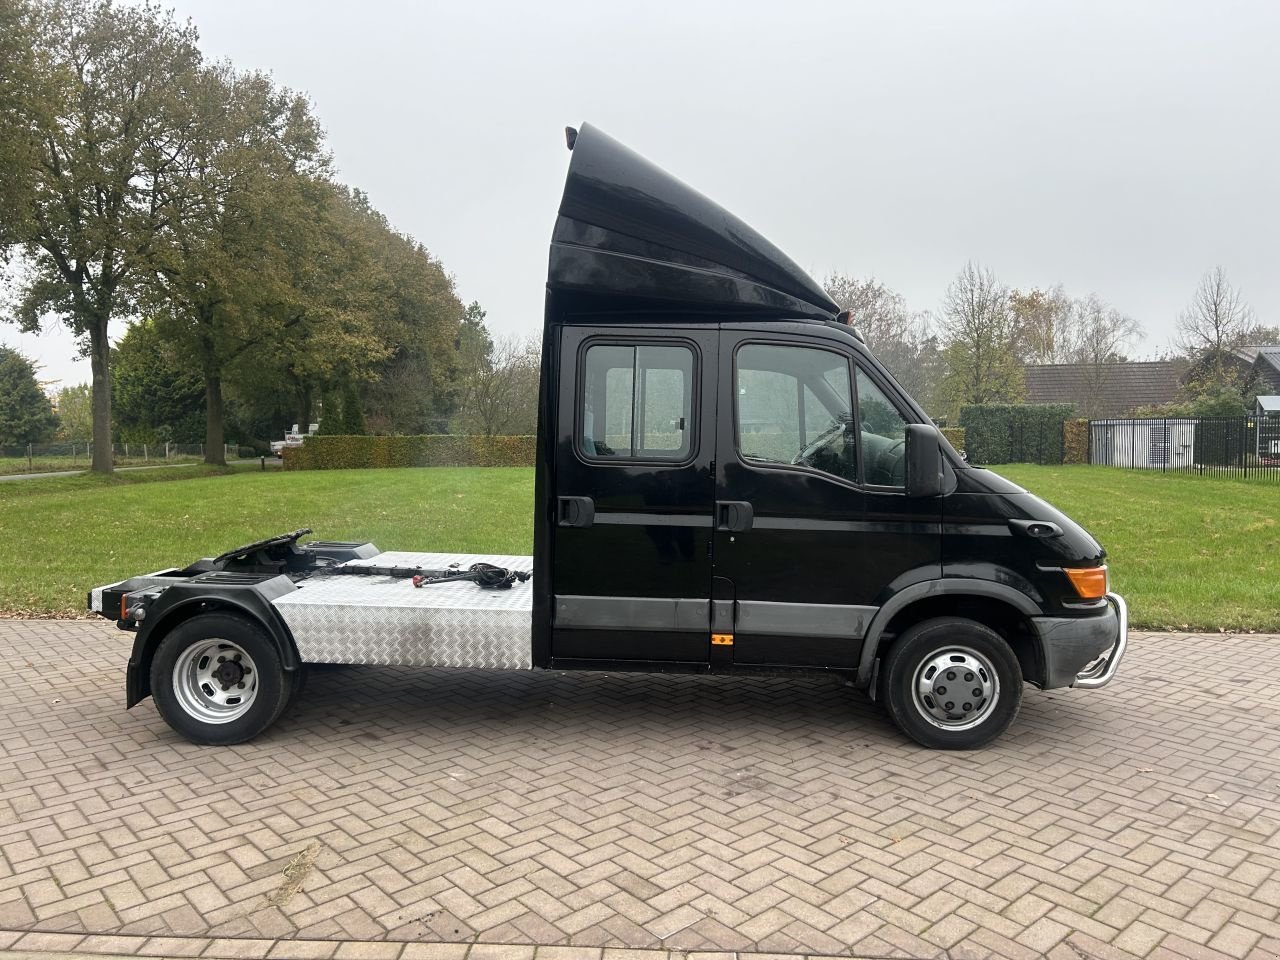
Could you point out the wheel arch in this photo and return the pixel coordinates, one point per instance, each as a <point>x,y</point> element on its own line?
<point>163,618</point>
<point>996,605</point>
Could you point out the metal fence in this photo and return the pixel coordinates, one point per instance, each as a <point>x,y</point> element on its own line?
<point>1217,446</point>
<point>52,457</point>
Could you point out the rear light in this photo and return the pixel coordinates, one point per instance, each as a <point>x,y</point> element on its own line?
<point>1090,582</point>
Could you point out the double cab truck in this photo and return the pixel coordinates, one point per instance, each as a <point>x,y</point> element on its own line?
<point>727,481</point>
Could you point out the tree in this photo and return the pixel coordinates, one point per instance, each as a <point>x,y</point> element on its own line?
<point>246,198</point>
<point>1044,322</point>
<point>415,313</point>
<point>499,392</point>
<point>21,106</point>
<point>900,339</point>
<point>110,83</point>
<point>1215,323</point>
<point>1099,336</point>
<point>979,340</point>
<point>353,422</point>
<point>26,416</point>
<point>75,413</point>
<point>158,394</point>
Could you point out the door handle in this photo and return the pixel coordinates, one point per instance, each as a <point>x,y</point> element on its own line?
<point>575,511</point>
<point>734,516</point>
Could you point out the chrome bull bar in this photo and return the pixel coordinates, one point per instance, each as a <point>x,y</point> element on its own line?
<point>1102,670</point>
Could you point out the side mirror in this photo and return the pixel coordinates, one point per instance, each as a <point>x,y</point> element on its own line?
<point>924,460</point>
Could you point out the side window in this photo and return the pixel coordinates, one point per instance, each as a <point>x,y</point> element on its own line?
<point>883,434</point>
<point>794,406</point>
<point>636,402</point>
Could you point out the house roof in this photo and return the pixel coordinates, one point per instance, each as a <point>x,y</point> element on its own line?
<point>1106,390</point>
<point>1267,364</point>
<point>1269,405</point>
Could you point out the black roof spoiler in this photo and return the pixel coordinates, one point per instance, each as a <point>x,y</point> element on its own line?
<point>631,237</point>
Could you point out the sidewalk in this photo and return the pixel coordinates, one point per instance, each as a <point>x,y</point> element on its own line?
<point>402,813</point>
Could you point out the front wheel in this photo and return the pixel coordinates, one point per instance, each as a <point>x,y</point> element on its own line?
<point>217,679</point>
<point>951,684</point>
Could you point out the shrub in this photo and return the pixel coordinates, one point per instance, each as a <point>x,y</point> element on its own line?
<point>437,450</point>
<point>956,437</point>
<point>1015,433</point>
<point>1075,441</point>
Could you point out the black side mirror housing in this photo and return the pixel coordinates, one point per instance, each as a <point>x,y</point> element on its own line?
<point>924,460</point>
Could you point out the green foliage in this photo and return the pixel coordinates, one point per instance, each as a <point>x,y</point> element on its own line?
<point>979,341</point>
<point>1015,433</point>
<point>1211,401</point>
<point>75,413</point>
<point>21,107</point>
<point>1075,441</point>
<point>352,420</point>
<point>157,397</point>
<point>104,113</point>
<point>955,436</point>
<point>26,416</point>
<point>442,450</point>
<point>367,306</point>
<point>87,531</point>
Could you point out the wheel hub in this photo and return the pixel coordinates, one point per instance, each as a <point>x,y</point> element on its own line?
<point>229,673</point>
<point>215,681</point>
<point>955,688</point>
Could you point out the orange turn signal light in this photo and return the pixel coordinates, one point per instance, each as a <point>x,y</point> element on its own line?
<point>1090,582</point>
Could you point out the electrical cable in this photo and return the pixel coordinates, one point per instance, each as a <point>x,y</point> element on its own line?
<point>486,575</point>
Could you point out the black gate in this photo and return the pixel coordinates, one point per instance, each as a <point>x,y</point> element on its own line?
<point>1216,446</point>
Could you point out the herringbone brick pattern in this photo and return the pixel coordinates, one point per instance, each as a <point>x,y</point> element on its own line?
<point>685,813</point>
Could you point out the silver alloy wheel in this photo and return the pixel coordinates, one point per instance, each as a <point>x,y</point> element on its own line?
<point>955,688</point>
<point>215,681</point>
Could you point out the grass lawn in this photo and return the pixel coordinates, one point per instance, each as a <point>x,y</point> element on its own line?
<point>59,537</point>
<point>12,465</point>
<point>1188,552</point>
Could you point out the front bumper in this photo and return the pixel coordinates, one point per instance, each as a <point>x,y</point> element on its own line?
<point>1084,652</point>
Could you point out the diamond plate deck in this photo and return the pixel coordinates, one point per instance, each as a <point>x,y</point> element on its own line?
<point>386,620</point>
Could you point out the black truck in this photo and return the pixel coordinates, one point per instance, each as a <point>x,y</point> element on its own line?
<point>727,481</point>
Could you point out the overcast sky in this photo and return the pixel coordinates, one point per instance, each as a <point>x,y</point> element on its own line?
<point>1116,148</point>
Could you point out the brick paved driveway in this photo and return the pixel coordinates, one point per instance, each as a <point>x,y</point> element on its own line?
<point>685,813</point>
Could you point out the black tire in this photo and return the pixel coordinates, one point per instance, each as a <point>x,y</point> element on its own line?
<point>984,669</point>
<point>187,701</point>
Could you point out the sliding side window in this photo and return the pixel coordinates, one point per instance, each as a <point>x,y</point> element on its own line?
<point>636,402</point>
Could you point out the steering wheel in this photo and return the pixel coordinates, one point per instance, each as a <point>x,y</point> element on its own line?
<point>802,459</point>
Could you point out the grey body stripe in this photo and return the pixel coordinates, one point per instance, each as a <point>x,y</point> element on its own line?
<point>848,526</point>
<point>667,614</point>
<point>654,519</point>
<point>633,613</point>
<point>804,619</point>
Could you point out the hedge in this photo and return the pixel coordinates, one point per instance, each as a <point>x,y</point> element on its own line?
<point>440,450</point>
<point>955,435</point>
<point>1075,441</point>
<point>1015,433</point>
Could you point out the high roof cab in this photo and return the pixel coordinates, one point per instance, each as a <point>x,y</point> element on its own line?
<point>629,236</point>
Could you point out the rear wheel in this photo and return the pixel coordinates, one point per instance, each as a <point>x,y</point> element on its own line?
<point>951,684</point>
<point>217,679</point>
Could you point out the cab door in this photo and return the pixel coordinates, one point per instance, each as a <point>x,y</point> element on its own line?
<point>814,527</point>
<point>631,554</point>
